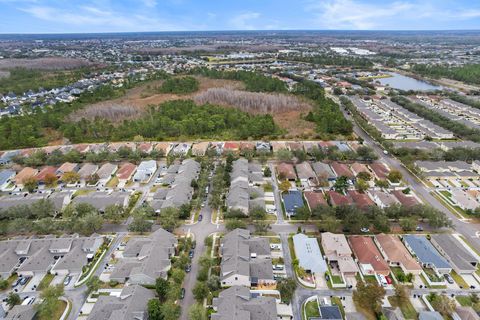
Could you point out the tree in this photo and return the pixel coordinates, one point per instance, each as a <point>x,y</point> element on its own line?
<point>285,185</point>
<point>177,275</point>
<point>71,177</point>
<point>284,155</point>
<point>168,218</point>
<point>154,309</point>
<point>382,184</point>
<point>140,223</point>
<point>361,186</point>
<point>267,172</point>
<point>401,294</point>
<point>286,287</point>
<point>364,176</point>
<point>50,180</point>
<point>341,184</point>
<point>200,291</point>
<point>161,287</point>
<point>257,213</point>
<point>213,283</point>
<point>354,221</point>
<point>394,176</point>
<point>366,153</point>
<point>93,284</point>
<point>408,224</point>
<point>43,208</point>
<point>30,184</point>
<point>50,297</point>
<point>329,223</point>
<point>92,180</point>
<point>196,312</point>
<point>262,226</point>
<point>13,299</point>
<point>90,223</point>
<point>232,224</point>
<point>442,304</point>
<point>170,311</point>
<point>3,284</point>
<point>114,213</point>
<point>369,296</point>
<point>381,222</point>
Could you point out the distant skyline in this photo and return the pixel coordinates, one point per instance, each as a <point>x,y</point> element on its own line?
<point>67,16</point>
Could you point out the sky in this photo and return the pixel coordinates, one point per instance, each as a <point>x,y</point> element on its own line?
<point>81,16</point>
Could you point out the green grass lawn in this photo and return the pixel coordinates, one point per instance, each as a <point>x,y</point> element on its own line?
<point>45,281</point>
<point>336,279</point>
<point>311,309</point>
<point>408,310</point>
<point>466,301</point>
<point>112,183</point>
<point>459,280</point>
<point>59,309</point>
<point>336,301</point>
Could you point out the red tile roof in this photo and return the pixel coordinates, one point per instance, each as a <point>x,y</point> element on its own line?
<point>405,199</point>
<point>126,171</point>
<point>287,171</point>
<point>49,170</point>
<point>361,200</point>
<point>367,253</point>
<point>380,170</point>
<point>315,199</point>
<point>342,169</point>
<point>337,199</point>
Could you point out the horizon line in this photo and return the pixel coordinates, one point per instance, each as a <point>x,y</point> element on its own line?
<point>246,31</point>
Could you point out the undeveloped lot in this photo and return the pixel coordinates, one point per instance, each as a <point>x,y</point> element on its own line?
<point>51,63</point>
<point>286,110</point>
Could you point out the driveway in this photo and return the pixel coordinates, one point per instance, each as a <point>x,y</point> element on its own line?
<point>34,282</point>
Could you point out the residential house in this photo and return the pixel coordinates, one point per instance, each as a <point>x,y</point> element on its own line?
<point>396,254</point>
<point>163,147</point>
<point>408,200</point>
<point>181,149</point>
<point>100,200</point>
<point>309,255</point>
<point>383,199</point>
<point>231,146</point>
<point>342,169</point>
<point>338,254</point>
<point>246,261</point>
<point>23,175</point>
<point>22,312</point>
<point>65,168</point>
<point>286,171</point>
<point>28,257</point>
<point>200,149</point>
<point>337,199</point>
<point>369,258</point>
<point>315,199</point>
<point>262,146</point>
<point>426,253</point>
<point>361,200</point>
<point>86,172</point>
<point>59,199</point>
<point>357,167</point>
<point>131,303</point>
<point>292,200</point>
<point>145,147</point>
<point>237,302</point>
<point>125,173</point>
<point>7,156</point>
<point>146,258</point>
<point>324,171</point>
<point>380,170</point>
<point>246,147</point>
<point>278,145</point>
<point>6,179</point>
<point>463,200</point>
<point>461,260</point>
<point>306,174</point>
<point>145,171</point>
<point>106,172</point>
<point>44,173</point>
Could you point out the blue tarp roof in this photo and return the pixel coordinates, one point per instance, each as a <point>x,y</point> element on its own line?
<point>292,200</point>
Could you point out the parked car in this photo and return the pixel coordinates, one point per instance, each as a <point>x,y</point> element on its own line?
<point>188,268</point>
<point>389,280</point>
<point>191,254</point>
<point>182,293</point>
<point>24,280</point>
<point>365,230</point>
<point>67,280</point>
<point>16,283</point>
<point>419,229</point>
<point>200,217</point>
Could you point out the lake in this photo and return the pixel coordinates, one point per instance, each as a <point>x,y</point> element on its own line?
<point>401,82</point>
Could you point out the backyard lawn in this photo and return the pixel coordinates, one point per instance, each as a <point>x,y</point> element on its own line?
<point>408,310</point>
<point>466,301</point>
<point>60,308</point>
<point>311,309</point>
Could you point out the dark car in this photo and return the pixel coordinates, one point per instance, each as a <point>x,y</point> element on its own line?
<point>200,218</point>
<point>191,254</point>
<point>23,281</point>
<point>182,293</point>
<point>188,268</point>
<point>194,244</point>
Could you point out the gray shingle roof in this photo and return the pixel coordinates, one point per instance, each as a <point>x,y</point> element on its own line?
<point>425,251</point>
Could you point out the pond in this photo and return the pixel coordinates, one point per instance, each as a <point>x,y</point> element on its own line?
<point>401,82</point>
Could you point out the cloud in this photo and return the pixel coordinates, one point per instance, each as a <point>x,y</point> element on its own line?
<point>150,3</point>
<point>243,21</point>
<point>351,14</point>
<point>101,19</point>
